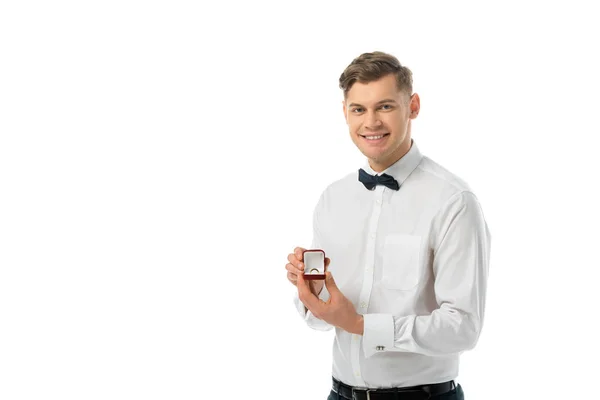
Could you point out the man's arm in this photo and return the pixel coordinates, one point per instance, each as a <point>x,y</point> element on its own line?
<point>460,267</point>
<point>310,319</point>
<point>317,287</point>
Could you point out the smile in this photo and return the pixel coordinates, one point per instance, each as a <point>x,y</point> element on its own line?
<point>375,137</point>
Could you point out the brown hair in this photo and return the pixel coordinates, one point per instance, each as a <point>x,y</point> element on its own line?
<point>369,67</point>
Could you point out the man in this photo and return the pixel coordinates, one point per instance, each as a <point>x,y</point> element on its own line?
<point>408,245</point>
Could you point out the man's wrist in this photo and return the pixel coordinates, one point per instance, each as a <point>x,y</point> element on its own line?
<point>358,327</point>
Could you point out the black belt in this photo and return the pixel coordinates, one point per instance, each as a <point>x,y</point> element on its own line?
<point>421,392</point>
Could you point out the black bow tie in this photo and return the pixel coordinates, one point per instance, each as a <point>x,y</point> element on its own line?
<point>370,181</point>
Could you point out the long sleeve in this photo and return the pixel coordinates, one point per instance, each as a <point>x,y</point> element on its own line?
<point>307,315</point>
<point>460,267</point>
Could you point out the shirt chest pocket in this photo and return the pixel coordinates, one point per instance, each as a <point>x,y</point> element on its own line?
<point>401,261</point>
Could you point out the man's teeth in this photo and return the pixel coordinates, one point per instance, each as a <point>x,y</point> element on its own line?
<point>374,137</point>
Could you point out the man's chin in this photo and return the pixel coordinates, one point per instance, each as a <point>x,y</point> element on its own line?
<point>376,156</point>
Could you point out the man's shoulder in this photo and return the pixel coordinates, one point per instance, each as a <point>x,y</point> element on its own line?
<point>441,176</point>
<point>344,184</point>
<point>341,186</point>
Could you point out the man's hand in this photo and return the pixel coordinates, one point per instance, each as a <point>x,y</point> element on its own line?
<point>295,267</point>
<point>337,311</point>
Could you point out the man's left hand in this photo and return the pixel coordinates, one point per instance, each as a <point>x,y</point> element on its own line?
<point>337,311</point>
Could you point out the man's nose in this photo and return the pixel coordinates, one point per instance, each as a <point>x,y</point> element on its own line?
<point>372,120</point>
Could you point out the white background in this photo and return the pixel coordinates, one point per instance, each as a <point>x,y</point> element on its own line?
<point>159,160</point>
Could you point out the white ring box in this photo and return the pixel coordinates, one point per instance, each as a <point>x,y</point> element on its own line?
<point>314,264</point>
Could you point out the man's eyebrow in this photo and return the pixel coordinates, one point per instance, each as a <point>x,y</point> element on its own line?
<point>379,102</point>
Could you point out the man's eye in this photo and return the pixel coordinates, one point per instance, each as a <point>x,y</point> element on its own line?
<point>389,107</point>
<point>357,110</point>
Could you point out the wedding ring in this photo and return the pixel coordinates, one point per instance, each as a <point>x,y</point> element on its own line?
<point>314,271</point>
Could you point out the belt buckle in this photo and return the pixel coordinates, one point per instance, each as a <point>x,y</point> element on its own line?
<point>367,391</point>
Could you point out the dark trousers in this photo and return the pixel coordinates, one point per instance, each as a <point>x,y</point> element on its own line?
<point>456,394</point>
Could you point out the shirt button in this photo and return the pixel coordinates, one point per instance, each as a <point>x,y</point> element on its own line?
<point>378,201</point>
<point>358,374</point>
<point>363,305</point>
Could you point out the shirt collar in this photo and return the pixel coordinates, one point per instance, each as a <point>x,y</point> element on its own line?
<point>402,168</point>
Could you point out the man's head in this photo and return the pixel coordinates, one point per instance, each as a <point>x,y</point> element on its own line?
<point>378,100</point>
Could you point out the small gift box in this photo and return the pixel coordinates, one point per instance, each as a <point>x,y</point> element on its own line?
<point>314,264</point>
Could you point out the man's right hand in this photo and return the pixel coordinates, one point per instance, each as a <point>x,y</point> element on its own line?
<point>295,267</point>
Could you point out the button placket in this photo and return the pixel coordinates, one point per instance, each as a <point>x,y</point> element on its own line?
<point>365,292</point>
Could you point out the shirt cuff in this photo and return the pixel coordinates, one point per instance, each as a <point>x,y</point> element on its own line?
<point>378,333</point>
<point>308,316</point>
<point>301,309</point>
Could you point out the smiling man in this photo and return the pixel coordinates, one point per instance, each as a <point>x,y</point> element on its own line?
<point>407,252</point>
<point>379,114</point>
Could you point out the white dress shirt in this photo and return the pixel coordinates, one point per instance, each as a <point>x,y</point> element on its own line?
<point>414,262</point>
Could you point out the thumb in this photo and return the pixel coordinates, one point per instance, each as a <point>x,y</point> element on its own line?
<point>330,283</point>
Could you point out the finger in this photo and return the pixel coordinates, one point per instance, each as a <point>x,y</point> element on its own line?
<point>292,278</point>
<point>295,262</point>
<point>330,283</point>
<point>291,269</point>
<point>298,252</point>
<point>306,296</point>
<point>303,289</point>
<point>327,261</point>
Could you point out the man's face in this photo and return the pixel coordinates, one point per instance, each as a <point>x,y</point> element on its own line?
<point>379,109</point>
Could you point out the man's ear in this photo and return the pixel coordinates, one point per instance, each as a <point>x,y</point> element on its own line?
<point>345,111</point>
<point>415,106</point>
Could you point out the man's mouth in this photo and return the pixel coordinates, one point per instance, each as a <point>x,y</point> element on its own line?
<point>375,137</point>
